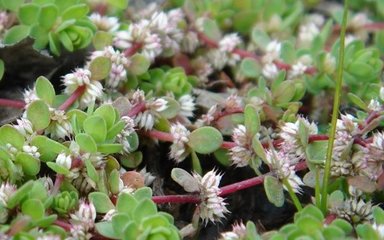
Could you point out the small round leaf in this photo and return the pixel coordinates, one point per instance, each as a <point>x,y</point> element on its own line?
<point>205,140</point>
<point>39,115</point>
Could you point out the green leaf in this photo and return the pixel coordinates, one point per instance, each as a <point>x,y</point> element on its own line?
<point>100,68</point>
<point>258,147</point>
<point>48,148</point>
<point>86,142</point>
<point>101,201</point>
<point>288,53</point>
<point>120,222</point>
<point>303,133</point>
<point>145,208</point>
<point>132,160</point>
<point>334,232</point>
<point>126,203</point>
<point>45,221</point>
<point>205,140</point>
<point>58,168</point>
<point>185,179</point>
<point>211,29</point>
<point>33,208</point>
<point>132,231</point>
<point>101,40</point>
<point>16,34</point>
<point>45,90</point>
<point>251,120</point>
<point>66,41</point>
<point>252,231</point>
<point>274,190</point>
<point>113,181</point>
<point>9,134</point>
<point>106,229</point>
<point>308,224</point>
<point>91,171</point>
<point>260,38</point>
<point>2,69</point>
<point>18,196</point>
<point>155,221</point>
<point>365,231</point>
<point>378,214</point>
<point>29,13</point>
<point>222,157</point>
<point>107,112</point>
<point>29,164</point>
<point>172,110</point>
<point>96,127</point>
<point>54,43</point>
<point>109,148</point>
<point>75,12</point>
<point>12,5</point>
<point>39,115</point>
<point>139,64</point>
<point>115,129</point>
<point>357,101</point>
<point>284,92</point>
<point>120,4</point>
<point>250,68</point>
<point>316,151</point>
<point>343,225</point>
<point>143,193</point>
<point>48,15</point>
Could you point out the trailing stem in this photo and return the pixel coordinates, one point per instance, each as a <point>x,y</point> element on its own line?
<point>336,105</point>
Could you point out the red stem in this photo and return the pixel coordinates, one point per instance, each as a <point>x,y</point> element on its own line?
<point>136,109</point>
<point>74,96</point>
<point>133,49</point>
<point>176,199</point>
<point>12,103</point>
<point>224,191</point>
<point>58,181</point>
<point>314,138</point>
<point>66,226</point>
<point>162,136</point>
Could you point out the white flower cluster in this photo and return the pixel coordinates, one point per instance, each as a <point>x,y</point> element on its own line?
<point>212,207</point>
<point>82,77</point>
<point>290,134</point>
<point>119,64</point>
<point>342,163</point>
<point>126,132</point>
<point>283,166</point>
<point>309,29</point>
<point>158,35</point>
<point>6,191</point>
<point>241,154</point>
<point>60,126</point>
<point>83,220</point>
<point>29,96</point>
<point>180,136</point>
<point>24,126</point>
<point>272,53</point>
<point>238,232</point>
<point>187,105</point>
<point>355,210</point>
<point>147,118</point>
<point>105,23</point>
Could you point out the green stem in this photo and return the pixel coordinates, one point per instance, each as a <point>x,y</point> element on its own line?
<point>336,105</point>
<point>317,188</point>
<point>292,194</point>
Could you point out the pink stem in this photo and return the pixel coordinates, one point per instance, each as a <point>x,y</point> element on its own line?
<point>12,103</point>
<point>224,191</point>
<point>176,199</point>
<point>228,145</point>
<point>136,109</point>
<point>66,226</point>
<point>162,136</point>
<point>314,138</point>
<point>74,96</point>
<point>58,181</point>
<point>133,49</point>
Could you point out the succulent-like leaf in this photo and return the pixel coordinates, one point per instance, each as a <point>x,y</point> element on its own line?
<point>9,134</point>
<point>132,160</point>
<point>48,15</point>
<point>139,64</point>
<point>28,13</point>
<point>100,68</point>
<point>91,171</point>
<point>45,90</point>
<point>39,115</point>
<point>251,120</point>
<point>16,34</point>
<point>86,142</point>
<point>106,230</point>
<point>274,190</point>
<point>185,179</point>
<point>250,68</point>
<point>144,209</point>
<point>126,203</point>
<point>205,140</point>
<point>101,202</point>
<point>33,208</point>
<point>96,127</point>
<point>18,196</point>
<point>29,164</point>
<point>58,168</point>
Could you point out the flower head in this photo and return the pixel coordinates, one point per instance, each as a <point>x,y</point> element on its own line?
<point>212,207</point>
<point>105,23</point>
<point>82,77</point>
<point>180,136</point>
